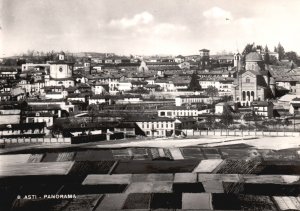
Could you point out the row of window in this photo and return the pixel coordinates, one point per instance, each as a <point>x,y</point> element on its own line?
<point>178,113</point>
<point>158,133</point>
<point>193,100</point>
<point>157,125</point>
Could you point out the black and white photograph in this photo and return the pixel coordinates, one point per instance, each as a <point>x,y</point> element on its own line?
<point>145,105</point>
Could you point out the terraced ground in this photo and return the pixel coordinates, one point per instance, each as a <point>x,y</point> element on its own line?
<point>189,178</point>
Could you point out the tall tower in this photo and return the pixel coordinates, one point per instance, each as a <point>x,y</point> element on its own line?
<point>204,59</point>
<point>237,61</point>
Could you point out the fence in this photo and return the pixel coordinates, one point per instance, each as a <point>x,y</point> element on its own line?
<point>96,138</point>
<point>72,140</point>
<point>88,138</point>
<point>35,140</point>
<point>240,133</point>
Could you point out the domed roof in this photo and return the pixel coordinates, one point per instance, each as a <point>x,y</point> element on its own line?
<point>253,57</point>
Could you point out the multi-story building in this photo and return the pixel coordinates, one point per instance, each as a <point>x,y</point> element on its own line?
<point>156,126</point>
<point>190,99</point>
<point>263,109</point>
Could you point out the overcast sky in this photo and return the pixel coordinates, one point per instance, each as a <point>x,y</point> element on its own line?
<point>147,27</point>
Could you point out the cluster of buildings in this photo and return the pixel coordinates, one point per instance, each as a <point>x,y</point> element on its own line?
<point>154,96</point>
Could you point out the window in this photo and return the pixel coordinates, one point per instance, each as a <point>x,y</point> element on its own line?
<point>169,113</point>
<point>247,80</point>
<point>60,69</point>
<point>162,113</point>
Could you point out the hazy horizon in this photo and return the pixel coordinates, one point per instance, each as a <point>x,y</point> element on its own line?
<point>140,27</point>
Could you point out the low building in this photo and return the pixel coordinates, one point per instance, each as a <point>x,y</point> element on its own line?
<point>190,99</point>
<point>8,72</point>
<point>177,112</point>
<point>295,106</point>
<point>128,128</point>
<point>223,84</point>
<point>61,103</point>
<point>77,97</point>
<point>40,117</point>
<point>128,99</point>
<point>220,107</point>
<point>56,95</point>
<point>100,88</point>
<point>124,86</point>
<point>179,59</point>
<point>32,88</point>
<point>30,66</point>
<point>100,99</point>
<point>5,97</point>
<point>32,130</point>
<point>10,114</point>
<point>263,108</point>
<point>53,109</point>
<point>66,82</point>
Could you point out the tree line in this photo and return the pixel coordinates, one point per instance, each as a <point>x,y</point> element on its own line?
<point>270,59</point>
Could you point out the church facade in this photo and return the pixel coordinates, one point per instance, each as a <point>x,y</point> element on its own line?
<point>253,83</point>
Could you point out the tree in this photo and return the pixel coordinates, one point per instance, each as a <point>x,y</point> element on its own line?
<point>212,92</point>
<point>92,111</point>
<point>273,60</point>
<point>291,56</point>
<point>209,122</point>
<point>267,55</point>
<point>194,84</point>
<point>226,117</point>
<point>259,47</point>
<point>280,51</point>
<point>249,48</point>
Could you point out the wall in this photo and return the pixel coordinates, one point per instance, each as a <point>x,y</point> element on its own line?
<point>239,133</point>
<point>171,95</point>
<point>27,66</point>
<point>36,140</point>
<point>56,73</point>
<point>10,119</point>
